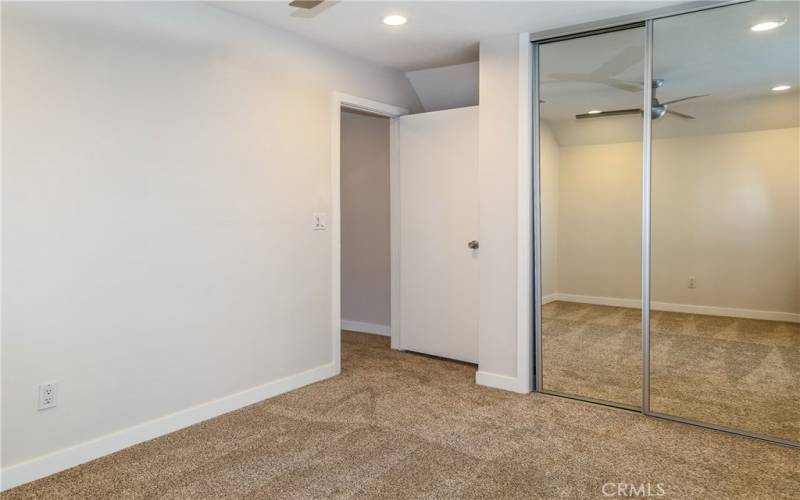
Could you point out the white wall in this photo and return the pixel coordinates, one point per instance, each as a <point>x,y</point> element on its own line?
<point>599,220</point>
<point>725,209</point>
<point>161,164</point>
<point>497,336</point>
<point>366,296</point>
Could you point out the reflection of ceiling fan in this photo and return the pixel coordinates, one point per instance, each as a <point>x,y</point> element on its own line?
<point>659,109</point>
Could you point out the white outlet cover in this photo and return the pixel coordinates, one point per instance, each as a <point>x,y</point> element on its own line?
<point>48,395</point>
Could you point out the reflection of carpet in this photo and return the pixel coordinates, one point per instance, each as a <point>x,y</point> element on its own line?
<point>740,373</point>
<point>398,425</point>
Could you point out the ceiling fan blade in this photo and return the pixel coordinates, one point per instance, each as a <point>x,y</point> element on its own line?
<point>615,112</point>
<point>305,4</point>
<point>682,115</point>
<point>685,99</point>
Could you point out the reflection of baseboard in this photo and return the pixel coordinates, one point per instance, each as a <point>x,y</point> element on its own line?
<point>681,308</point>
<point>359,326</point>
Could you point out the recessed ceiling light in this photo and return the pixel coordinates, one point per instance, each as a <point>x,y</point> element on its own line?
<point>768,25</point>
<point>394,20</point>
<point>778,88</point>
<point>593,112</point>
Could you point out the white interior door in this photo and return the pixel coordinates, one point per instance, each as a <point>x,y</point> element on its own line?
<point>438,172</point>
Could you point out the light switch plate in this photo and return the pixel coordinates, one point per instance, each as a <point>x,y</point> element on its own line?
<point>320,222</point>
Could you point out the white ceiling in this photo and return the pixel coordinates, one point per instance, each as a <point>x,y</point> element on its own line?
<point>438,33</point>
<point>712,52</point>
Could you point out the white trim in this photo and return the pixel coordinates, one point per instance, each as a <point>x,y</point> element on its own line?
<point>549,298</point>
<point>503,382</point>
<point>730,312</point>
<point>360,326</point>
<point>394,232</point>
<point>524,216</point>
<point>339,101</point>
<point>368,105</point>
<point>66,458</point>
<point>334,223</point>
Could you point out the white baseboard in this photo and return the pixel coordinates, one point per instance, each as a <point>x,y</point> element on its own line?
<point>360,326</point>
<point>549,298</point>
<point>504,382</point>
<point>66,458</point>
<point>680,308</point>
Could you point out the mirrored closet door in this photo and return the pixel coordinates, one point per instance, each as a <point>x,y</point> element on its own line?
<point>725,226</point>
<point>667,219</point>
<point>591,199</point>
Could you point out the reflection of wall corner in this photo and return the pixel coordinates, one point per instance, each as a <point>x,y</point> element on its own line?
<point>546,299</point>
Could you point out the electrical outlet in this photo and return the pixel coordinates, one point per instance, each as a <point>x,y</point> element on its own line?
<point>692,282</point>
<point>48,395</point>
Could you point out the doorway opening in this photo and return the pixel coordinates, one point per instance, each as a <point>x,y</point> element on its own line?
<point>365,223</point>
<point>423,235</point>
<point>362,236</point>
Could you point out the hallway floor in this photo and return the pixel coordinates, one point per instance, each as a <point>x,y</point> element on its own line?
<point>400,425</point>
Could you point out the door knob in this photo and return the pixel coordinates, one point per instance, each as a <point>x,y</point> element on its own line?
<point>474,244</point>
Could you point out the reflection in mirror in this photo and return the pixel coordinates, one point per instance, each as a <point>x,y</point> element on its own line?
<point>725,265</point>
<point>591,204</point>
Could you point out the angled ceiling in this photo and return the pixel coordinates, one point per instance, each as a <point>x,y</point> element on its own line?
<point>437,34</point>
<point>446,87</point>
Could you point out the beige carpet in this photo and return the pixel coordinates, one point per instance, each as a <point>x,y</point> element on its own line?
<point>739,373</point>
<point>398,425</point>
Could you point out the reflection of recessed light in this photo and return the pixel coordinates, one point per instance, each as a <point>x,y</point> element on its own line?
<point>768,25</point>
<point>778,88</point>
<point>394,20</point>
<point>593,112</point>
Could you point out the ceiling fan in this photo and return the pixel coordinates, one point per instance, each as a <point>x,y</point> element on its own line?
<point>659,109</point>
